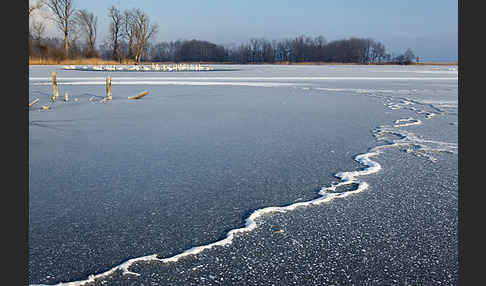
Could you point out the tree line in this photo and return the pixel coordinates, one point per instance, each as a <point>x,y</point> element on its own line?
<point>131,37</point>
<point>130,32</point>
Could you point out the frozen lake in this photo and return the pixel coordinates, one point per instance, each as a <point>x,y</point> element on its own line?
<point>193,159</point>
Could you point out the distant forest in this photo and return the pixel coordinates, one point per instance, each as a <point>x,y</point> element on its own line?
<point>260,50</point>
<point>131,38</point>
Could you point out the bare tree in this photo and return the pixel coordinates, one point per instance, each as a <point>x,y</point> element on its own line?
<point>128,29</point>
<point>143,30</point>
<point>409,56</point>
<point>38,28</point>
<point>115,31</point>
<point>405,58</point>
<point>34,6</point>
<point>63,10</point>
<point>87,23</point>
<point>268,51</point>
<point>378,52</point>
<point>74,36</point>
<point>255,48</point>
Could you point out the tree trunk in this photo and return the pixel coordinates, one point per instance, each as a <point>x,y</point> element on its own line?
<point>115,49</point>
<point>66,45</point>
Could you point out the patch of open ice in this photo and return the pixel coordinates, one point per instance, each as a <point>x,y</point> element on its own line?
<point>326,195</point>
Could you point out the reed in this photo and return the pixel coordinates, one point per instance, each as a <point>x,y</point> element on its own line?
<point>81,61</point>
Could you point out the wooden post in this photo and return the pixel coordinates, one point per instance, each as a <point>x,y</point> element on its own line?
<point>33,102</point>
<point>142,94</point>
<point>55,92</point>
<point>108,88</point>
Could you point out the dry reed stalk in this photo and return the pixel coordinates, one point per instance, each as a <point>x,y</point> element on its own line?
<point>87,61</point>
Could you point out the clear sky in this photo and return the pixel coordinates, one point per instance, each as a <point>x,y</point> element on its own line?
<point>428,27</point>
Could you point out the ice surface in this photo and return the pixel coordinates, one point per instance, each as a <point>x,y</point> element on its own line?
<point>204,158</point>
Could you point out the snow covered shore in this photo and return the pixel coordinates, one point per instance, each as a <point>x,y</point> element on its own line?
<point>151,67</point>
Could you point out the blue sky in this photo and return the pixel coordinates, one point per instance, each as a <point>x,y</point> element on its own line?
<point>428,27</point>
